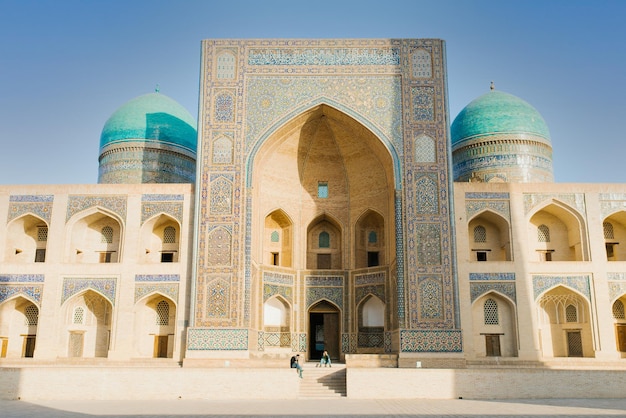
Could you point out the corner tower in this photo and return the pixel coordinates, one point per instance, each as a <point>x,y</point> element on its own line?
<point>150,139</point>
<point>499,137</point>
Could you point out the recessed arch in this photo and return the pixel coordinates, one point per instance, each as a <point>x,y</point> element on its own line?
<point>154,326</point>
<point>90,337</point>
<point>160,239</point>
<point>496,245</point>
<point>19,321</point>
<point>494,322</point>
<point>27,239</point>
<point>85,231</point>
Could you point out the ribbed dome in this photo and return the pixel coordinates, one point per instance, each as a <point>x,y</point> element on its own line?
<point>151,117</point>
<point>498,113</point>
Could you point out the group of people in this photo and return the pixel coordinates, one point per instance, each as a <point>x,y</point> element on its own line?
<point>324,361</point>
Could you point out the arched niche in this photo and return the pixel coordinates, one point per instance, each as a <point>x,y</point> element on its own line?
<point>27,240</point>
<point>277,322</point>
<point>567,235</point>
<point>614,231</point>
<point>371,324</point>
<point>86,327</point>
<point>278,239</point>
<point>370,240</point>
<point>489,237</point>
<point>154,326</point>
<point>95,237</point>
<point>19,320</point>
<point>160,240</point>
<point>324,244</point>
<point>494,326</point>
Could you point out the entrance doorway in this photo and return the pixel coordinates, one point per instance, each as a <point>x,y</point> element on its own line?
<point>621,338</point>
<point>323,331</point>
<point>574,344</point>
<point>160,346</point>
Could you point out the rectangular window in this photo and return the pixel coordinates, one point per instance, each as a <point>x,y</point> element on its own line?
<point>610,251</point>
<point>547,256</point>
<point>167,257</point>
<point>40,255</point>
<point>372,258</point>
<point>322,190</point>
<point>481,256</point>
<point>105,257</point>
<point>274,259</point>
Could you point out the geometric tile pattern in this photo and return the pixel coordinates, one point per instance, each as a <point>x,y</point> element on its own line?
<point>316,294</point>
<point>21,278</point>
<point>221,196</point>
<point>491,276</point>
<point>431,298</point>
<point>149,209</point>
<point>479,289</point>
<point>501,207</point>
<point>427,201</point>
<point>166,289</point>
<point>616,290</point>
<point>574,200</point>
<point>217,339</point>
<point>278,278</point>
<point>541,283</point>
<point>428,244</point>
<point>425,149</point>
<point>40,206</point>
<point>270,290</point>
<point>422,64</point>
<point>104,286</point>
<point>116,204</point>
<point>157,277</point>
<point>423,103</point>
<point>361,292</point>
<point>217,298</point>
<point>325,56</point>
<point>430,341</point>
<point>31,292</point>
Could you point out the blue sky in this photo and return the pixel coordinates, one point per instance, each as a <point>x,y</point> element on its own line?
<point>67,65</point>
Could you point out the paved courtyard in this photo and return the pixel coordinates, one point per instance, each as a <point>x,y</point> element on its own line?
<point>537,408</point>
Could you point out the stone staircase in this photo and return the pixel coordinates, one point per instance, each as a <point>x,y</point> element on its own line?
<point>323,382</point>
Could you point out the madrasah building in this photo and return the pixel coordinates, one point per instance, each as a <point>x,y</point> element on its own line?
<point>324,200</point>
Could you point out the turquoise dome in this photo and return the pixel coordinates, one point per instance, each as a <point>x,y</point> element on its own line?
<point>151,117</point>
<point>497,112</point>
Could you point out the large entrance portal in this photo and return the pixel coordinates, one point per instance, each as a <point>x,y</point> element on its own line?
<point>323,331</point>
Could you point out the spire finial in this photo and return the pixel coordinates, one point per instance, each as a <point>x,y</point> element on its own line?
<point>492,86</point>
<point>157,89</point>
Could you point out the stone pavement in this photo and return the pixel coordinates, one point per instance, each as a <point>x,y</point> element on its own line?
<point>536,408</point>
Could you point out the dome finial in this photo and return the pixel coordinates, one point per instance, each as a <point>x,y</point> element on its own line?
<point>492,87</point>
<point>157,89</point>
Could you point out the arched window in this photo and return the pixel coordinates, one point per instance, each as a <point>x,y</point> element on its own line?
<point>163,313</point>
<point>79,315</point>
<point>618,309</point>
<point>480,234</point>
<point>491,312</point>
<point>324,240</point>
<point>106,235</point>
<point>372,238</point>
<point>274,237</point>
<point>543,233</point>
<point>169,235</point>
<point>571,314</point>
<point>42,234</point>
<point>31,314</point>
<point>608,230</point>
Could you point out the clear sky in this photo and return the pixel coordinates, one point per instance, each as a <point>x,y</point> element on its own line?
<point>67,65</point>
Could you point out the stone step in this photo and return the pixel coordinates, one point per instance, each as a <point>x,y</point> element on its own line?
<point>323,382</point>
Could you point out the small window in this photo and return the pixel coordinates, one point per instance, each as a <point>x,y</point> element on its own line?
<point>543,233</point>
<point>491,312</point>
<point>324,240</point>
<point>105,257</point>
<point>480,234</point>
<point>163,313</point>
<point>610,250</point>
<point>42,234</point>
<point>372,258</point>
<point>571,314</point>
<point>79,315</point>
<point>167,257</point>
<point>322,190</point>
<point>275,237</point>
<point>547,256</point>
<point>372,237</point>
<point>169,235</point>
<point>107,235</point>
<point>40,255</point>
<point>275,259</point>
<point>608,230</point>
<point>31,315</point>
<point>481,255</point>
<point>618,309</point>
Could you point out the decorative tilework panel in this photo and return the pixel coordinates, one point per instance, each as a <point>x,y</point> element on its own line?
<point>222,150</point>
<point>168,289</point>
<point>421,63</point>
<point>157,278</point>
<point>224,107</point>
<point>575,200</point>
<point>40,206</point>
<point>21,278</point>
<point>616,276</point>
<point>273,101</point>
<point>479,289</point>
<point>425,149</point>
<point>30,292</point>
<point>430,297</point>
<point>423,101</point>
<point>278,278</point>
<point>325,56</point>
<point>487,195</point>
<point>428,244</point>
<point>332,294</point>
<point>387,342</point>
<point>270,290</point>
<point>501,207</point>
<point>609,207</point>
<point>400,259</point>
<point>260,341</point>
<point>616,290</point>
<point>219,247</point>
<point>217,339</point>
<point>323,280</point>
<point>431,341</point>
<point>173,209</point>
<point>302,343</point>
<point>221,202</point>
<point>427,196</point>
<point>218,298</point>
<point>369,278</point>
<point>116,204</point>
<point>361,292</point>
<point>162,197</point>
<point>492,276</point>
<point>104,286</point>
<point>579,283</point>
